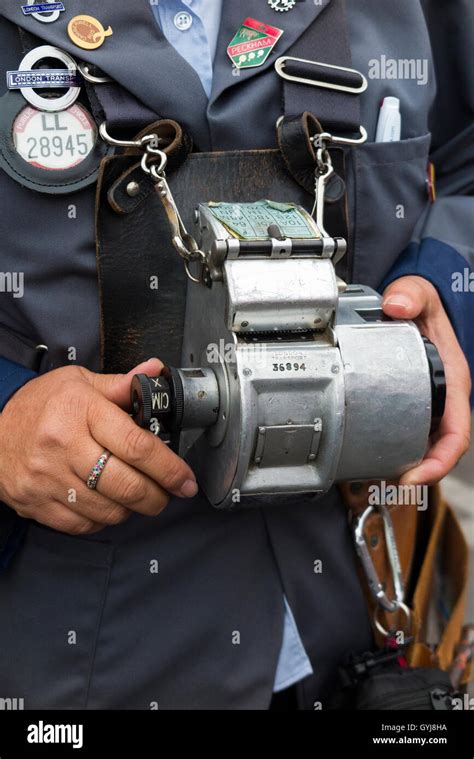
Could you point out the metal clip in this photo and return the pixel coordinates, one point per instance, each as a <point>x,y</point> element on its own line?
<point>183,242</point>
<point>326,137</point>
<point>86,74</point>
<point>373,579</point>
<point>139,144</point>
<point>323,173</point>
<point>280,69</point>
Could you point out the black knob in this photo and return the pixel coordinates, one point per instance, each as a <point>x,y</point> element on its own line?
<point>438,384</point>
<point>160,398</point>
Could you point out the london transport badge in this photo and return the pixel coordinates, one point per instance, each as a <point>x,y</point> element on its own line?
<point>87,32</point>
<point>253,43</point>
<point>46,12</point>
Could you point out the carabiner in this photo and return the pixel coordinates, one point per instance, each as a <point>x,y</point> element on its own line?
<point>183,242</point>
<point>376,587</point>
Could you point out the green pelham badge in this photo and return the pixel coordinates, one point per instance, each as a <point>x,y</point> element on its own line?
<point>253,43</point>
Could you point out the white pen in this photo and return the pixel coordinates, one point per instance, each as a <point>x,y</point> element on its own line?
<point>390,123</point>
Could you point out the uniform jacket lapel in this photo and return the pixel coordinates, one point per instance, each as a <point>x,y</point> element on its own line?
<point>137,56</point>
<point>293,23</point>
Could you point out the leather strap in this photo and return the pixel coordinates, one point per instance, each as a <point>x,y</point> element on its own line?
<point>177,145</point>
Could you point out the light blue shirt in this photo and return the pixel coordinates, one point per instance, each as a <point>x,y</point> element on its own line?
<point>192,27</point>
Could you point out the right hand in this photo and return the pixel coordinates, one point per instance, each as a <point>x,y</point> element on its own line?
<point>52,432</point>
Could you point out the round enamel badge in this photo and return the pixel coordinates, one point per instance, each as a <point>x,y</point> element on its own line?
<point>87,32</point>
<point>54,141</point>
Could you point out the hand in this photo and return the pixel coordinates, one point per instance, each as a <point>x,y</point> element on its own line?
<point>416,298</point>
<point>53,431</point>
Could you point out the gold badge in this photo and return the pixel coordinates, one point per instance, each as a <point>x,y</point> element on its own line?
<point>87,32</point>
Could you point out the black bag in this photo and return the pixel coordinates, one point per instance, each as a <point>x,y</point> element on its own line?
<point>383,681</point>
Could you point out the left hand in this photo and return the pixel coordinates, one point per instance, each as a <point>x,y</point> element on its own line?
<point>415,298</point>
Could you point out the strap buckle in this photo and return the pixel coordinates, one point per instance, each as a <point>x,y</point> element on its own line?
<point>280,69</point>
<point>376,587</point>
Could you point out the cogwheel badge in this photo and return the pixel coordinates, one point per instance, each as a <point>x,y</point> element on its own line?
<point>282,5</point>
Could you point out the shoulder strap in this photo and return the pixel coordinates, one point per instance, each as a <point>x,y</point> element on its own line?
<point>325,44</point>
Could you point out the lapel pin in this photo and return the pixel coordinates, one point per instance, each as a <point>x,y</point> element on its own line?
<point>87,32</point>
<point>46,12</point>
<point>253,44</point>
<point>28,80</point>
<point>282,5</point>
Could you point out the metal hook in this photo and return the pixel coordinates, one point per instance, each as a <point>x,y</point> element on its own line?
<point>340,140</point>
<point>125,143</point>
<point>183,242</point>
<point>84,69</point>
<point>376,587</point>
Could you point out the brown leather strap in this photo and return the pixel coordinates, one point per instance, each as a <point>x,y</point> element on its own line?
<point>134,186</point>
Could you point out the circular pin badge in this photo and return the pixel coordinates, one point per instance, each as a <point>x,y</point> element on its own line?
<point>87,32</point>
<point>54,141</point>
<point>49,104</point>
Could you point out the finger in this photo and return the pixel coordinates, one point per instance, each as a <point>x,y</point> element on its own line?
<point>112,429</point>
<point>439,461</point>
<point>94,506</point>
<point>116,387</point>
<point>406,298</point>
<point>58,517</point>
<point>120,489</point>
<point>452,443</point>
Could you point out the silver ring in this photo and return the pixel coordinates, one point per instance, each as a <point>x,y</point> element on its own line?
<point>52,15</point>
<point>96,471</point>
<point>49,104</point>
<point>381,628</point>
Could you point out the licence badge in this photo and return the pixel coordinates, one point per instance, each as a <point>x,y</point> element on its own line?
<point>253,43</point>
<point>54,141</point>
